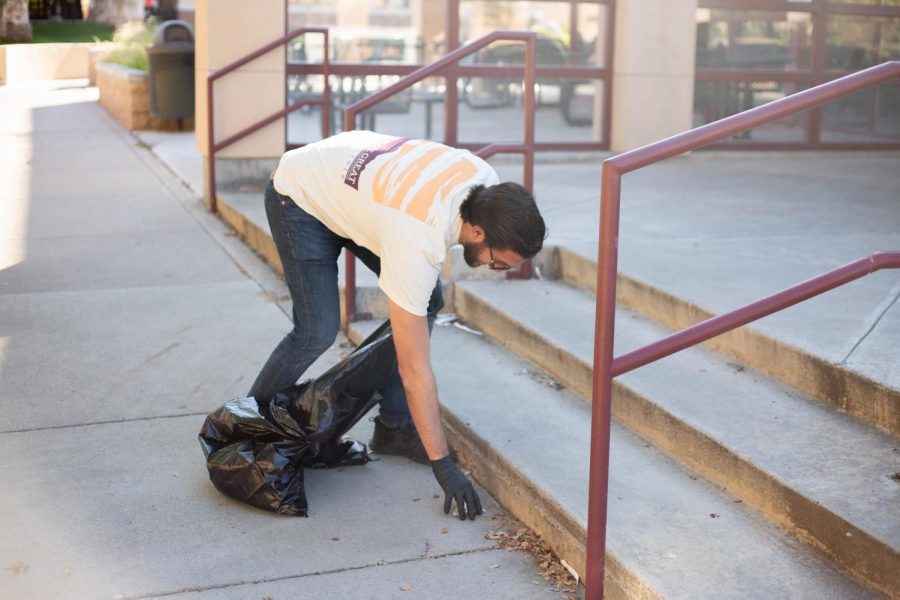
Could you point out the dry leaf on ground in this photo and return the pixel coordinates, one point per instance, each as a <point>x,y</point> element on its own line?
<point>525,540</point>
<point>17,567</point>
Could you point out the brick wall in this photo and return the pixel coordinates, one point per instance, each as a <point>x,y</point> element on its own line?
<point>124,93</point>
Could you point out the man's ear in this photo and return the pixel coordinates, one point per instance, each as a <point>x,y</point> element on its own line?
<point>477,234</point>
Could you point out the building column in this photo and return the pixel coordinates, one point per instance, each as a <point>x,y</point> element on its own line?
<point>653,71</point>
<point>226,31</point>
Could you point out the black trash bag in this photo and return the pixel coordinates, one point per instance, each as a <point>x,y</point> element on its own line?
<point>256,454</point>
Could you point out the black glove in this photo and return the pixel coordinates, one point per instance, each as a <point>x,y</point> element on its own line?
<point>457,487</point>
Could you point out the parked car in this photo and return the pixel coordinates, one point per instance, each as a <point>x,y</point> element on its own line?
<point>573,97</point>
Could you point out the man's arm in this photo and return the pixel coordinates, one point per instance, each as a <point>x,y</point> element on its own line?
<point>414,360</point>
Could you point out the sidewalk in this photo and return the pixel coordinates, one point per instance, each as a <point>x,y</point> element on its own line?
<point>127,313</point>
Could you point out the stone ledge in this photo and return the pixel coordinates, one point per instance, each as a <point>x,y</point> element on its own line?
<point>123,72</point>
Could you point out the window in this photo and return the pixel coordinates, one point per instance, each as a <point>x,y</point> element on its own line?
<point>750,54</point>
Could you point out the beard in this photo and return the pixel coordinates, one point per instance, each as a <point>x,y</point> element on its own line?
<point>471,252</point>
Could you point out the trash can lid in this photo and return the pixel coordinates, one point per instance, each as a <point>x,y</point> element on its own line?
<point>173,32</point>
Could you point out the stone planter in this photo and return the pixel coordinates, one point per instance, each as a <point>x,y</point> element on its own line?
<point>124,92</point>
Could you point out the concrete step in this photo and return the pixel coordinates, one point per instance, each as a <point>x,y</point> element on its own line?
<point>670,533</point>
<point>867,397</point>
<point>825,476</point>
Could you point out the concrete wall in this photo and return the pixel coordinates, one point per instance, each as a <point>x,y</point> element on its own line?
<point>225,31</point>
<point>38,62</point>
<point>653,71</point>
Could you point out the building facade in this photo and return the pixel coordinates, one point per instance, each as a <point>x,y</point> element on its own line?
<point>612,74</point>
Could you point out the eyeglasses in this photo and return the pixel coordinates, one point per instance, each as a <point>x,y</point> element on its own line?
<point>494,267</point>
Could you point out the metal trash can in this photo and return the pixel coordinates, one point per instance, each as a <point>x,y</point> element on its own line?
<point>170,63</point>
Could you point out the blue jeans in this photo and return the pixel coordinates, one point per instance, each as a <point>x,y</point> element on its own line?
<point>309,253</point>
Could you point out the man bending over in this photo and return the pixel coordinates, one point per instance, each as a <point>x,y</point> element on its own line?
<point>399,205</point>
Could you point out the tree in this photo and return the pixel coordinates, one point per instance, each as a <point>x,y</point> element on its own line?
<point>14,23</point>
<point>116,12</point>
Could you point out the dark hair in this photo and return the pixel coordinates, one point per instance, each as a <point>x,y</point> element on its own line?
<point>508,215</point>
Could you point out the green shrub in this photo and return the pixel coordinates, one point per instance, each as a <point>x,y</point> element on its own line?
<point>132,39</point>
<point>138,33</point>
<point>133,57</point>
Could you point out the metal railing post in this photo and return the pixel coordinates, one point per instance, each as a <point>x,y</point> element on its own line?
<point>326,89</point>
<point>210,147</point>
<point>451,80</point>
<point>601,401</point>
<point>349,257</point>
<point>530,66</point>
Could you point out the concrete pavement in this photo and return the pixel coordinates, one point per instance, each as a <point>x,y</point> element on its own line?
<point>126,314</point>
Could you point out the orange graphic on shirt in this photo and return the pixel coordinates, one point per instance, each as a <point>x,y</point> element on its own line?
<point>457,173</point>
<point>403,176</point>
<point>385,174</point>
<point>413,173</point>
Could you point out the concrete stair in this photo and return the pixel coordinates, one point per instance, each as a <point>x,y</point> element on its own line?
<point>823,475</point>
<point>744,468</point>
<point>860,395</point>
<point>671,533</point>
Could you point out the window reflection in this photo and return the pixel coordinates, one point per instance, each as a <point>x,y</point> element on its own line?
<point>855,42</point>
<point>746,40</point>
<point>568,36</point>
<point>413,32</point>
<point>374,31</point>
<point>739,39</point>
<point>714,100</point>
<point>871,116</point>
<point>868,2</point>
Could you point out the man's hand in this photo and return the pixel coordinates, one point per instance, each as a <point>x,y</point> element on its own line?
<point>457,487</point>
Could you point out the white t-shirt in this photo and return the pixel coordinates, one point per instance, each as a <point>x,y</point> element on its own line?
<point>398,197</point>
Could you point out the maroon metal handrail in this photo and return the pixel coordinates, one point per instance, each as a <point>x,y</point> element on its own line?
<point>446,61</point>
<point>699,333</point>
<point>606,366</point>
<point>213,146</point>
